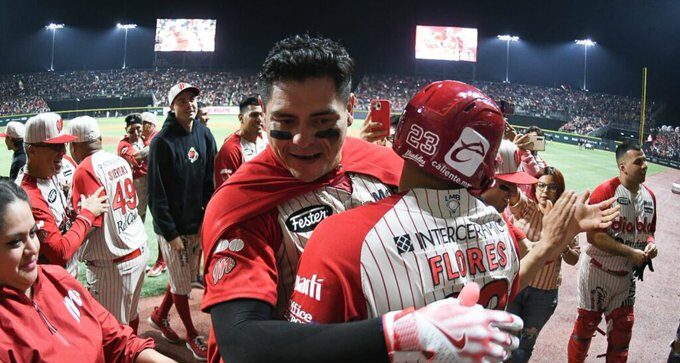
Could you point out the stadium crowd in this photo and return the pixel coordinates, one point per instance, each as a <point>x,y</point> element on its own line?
<point>664,143</point>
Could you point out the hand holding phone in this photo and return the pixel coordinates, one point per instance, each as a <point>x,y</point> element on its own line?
<point>380,113</point>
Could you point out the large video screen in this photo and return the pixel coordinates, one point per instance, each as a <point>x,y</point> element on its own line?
<point>185,35</point>
<point>446,43</point>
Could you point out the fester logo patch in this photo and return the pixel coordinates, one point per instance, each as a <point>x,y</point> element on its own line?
<point>468,152</point>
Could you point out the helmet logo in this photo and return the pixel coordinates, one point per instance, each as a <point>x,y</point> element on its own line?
<point>468,152</point>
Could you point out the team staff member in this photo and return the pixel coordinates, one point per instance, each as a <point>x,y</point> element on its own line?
<point>425,243</point>
<point>47,315</point>
<point>149,131</point>
<point>115,252</point>
<point>202,115</point>
<point>14,139</point>
<point>258,222</point>
<point>244,144</point>
<point>180,183</point>
<point>606,282</point>
<point>59,230</point>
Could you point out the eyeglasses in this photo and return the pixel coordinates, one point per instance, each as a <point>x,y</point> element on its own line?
<point>551,187</point>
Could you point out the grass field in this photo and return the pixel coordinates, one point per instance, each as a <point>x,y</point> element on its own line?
<point>582,169</point>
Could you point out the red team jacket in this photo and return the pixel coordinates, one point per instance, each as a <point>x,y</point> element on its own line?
<point>409,249</point>
<point>127,150</point>
<point>234,152</point>
<point>62,323</point>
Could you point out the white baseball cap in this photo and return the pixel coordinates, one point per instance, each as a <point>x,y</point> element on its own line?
<point>179,88</point>
<point>14,130</point>
<point>84,128</point>
<point>507,165</point>
<point>46,128</point>
<point>149,117</point>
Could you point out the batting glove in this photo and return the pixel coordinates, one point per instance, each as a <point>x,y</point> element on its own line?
<point>451,330</point>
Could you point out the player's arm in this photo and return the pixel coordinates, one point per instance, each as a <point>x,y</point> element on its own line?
<point>127,152</point>
<point>228,159</point>
<point>572,253</point>
<point>650,249</point>
<point>85,183</point>
<point>159,164</point>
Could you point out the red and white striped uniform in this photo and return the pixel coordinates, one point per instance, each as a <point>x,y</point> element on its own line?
<point>407,250</point>
<point>267,248</point>
<point>115,252</point>
<point>234,152</point>
<point>605,280</point>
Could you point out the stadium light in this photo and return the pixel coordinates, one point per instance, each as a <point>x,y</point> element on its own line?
<point>53,27</point>
<point>125,27</point>
<point>507,39</point>
<point>585,43</point>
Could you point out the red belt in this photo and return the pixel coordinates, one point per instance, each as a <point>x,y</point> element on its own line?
<point>598,265</point>
<point>128,257</point>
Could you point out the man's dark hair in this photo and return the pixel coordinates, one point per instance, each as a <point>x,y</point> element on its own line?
<point>622,149</point>
<point>300,57</point>
<point>248,101</point>
<point>200,104</point>
<point>535,129</point>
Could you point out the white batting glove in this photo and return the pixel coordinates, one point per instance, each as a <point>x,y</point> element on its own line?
<point>451,330</point>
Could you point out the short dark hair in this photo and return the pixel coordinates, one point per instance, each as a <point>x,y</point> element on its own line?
<point>248,101</point>
<point>535,129</point>
<point>299,57</point>
<point>201,104</point>
<point>9,192</point>
<point>133,118</point>
<point>623,148</point>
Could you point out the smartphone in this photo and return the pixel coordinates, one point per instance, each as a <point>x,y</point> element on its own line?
<point>380,112</point>
<point>538,142</point>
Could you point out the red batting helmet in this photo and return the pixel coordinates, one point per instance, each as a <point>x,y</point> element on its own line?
<point>452,130</point>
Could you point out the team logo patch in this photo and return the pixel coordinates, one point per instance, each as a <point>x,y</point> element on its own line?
<point>73,302</point>
<point>623,200</point>
<point>192,154</point>
<point>404,243</point>
<point>649,210</point>
<point>306,219</point>
<point>468,152</point>
<point>452,202</point>
<point>222,268</point>
<point>60,125</point>
<point>52,196</point>
<point>248,151</point>
<point>236,245</point>
<point>124,150</point>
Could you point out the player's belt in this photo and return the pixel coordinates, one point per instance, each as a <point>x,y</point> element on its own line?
<point>134,254</point>
<point>598,265</point>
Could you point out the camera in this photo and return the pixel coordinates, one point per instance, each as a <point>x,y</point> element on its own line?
<point>377,106</point>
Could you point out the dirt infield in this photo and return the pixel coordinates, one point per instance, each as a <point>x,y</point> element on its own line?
<point>656,314</point>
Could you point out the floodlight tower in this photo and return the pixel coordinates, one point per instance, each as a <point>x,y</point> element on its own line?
<point>125,27</point>
<point>585,43</point>
<point>507,38</point>
<point>53,27</point>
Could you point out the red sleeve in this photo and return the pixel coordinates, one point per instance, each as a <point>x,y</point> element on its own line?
<point>243,264</point>
<point>85,183</point>
<point>517,235</point>
<point>55,247</point>
<point>228,159</point>
<point>328,285</point>
<point>126,151</point>
<point>120,344</point>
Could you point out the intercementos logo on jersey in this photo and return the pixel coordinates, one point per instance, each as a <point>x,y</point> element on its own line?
<point>468,152</point>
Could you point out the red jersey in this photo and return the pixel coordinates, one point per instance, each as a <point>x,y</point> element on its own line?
<point>60,235</point>
<point>148,139</point>
<point>407,250</point>
<point>257,223</point>
<point>127,151</point>
<point>234,152</point>
<point>62,323</point>
<point>635,225</point>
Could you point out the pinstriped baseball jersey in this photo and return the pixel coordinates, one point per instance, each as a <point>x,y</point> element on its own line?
<point>65,176</point>
<point>121,229</point>
<point>406,250</point>
<point>259,258</point>
<point>635,225</point>
<point>235,151</point>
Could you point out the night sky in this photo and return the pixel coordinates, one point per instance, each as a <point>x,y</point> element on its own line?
<point>378,34</point>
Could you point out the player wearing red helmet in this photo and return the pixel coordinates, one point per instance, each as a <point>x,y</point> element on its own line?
<point>427,242</point>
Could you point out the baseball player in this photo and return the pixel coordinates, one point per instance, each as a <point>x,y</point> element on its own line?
<point>134,150</point>
<point>14,139</point>
<point>606,283</point>
<point>61,232</point>
<point>244,144</point>
<point>180,183</point>
<point>258,223</point>
<point>202,115</point>
<point>425,243</point>
<point>115,252</point>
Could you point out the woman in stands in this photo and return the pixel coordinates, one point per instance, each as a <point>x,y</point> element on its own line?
<point>537,302</point>
<point>45,314</point>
